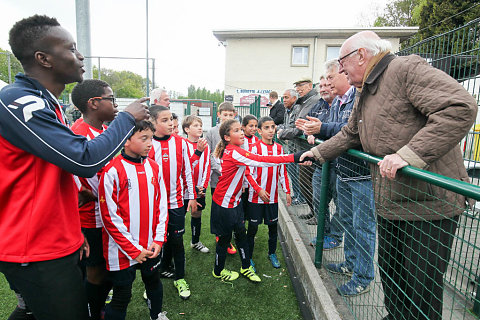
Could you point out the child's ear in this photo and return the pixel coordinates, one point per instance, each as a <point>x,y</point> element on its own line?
<point>259,130</point>
<point>227,138</point>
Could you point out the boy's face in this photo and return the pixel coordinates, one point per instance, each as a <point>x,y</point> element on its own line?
<point>226,115</point>
<point>250,128</point>
<point>163,124</point>
<point>175,127</point>
<point>106,109</point>
<point>139,144</point>
<point>267,131</point>
<point>195,130</point>
<point>236,135</point>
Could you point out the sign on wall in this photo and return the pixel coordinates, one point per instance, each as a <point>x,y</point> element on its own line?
<point>247,96</point>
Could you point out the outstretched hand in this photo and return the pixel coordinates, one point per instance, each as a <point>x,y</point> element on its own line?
<point>201,144</point>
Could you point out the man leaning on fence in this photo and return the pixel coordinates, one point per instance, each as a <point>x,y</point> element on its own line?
<point>411,114</point>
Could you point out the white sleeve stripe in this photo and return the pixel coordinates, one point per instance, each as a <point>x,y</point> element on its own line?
<point>63,155</point>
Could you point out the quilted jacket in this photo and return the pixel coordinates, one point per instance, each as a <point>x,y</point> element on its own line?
<point>410,108</point>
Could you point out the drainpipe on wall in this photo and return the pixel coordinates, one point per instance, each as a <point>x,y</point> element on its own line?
<point>314,55</point>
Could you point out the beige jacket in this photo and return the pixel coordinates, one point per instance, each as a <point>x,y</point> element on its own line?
<point>419,112</point>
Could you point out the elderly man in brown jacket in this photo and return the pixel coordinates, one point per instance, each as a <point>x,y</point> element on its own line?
<point>411,114</point>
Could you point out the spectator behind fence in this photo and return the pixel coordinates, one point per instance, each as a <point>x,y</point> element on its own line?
<point>308,97</point>
<point>354,190</point>
<point>277,110</point>
<point>289,99</point>
<point>427,115</point>
<point>41,240</point>
<point>333,235</point>
<point>160,97</point>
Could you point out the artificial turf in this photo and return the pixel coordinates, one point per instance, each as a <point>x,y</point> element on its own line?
<point>211,298</point>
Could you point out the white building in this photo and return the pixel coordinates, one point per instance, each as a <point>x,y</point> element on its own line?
<point>259,61</point>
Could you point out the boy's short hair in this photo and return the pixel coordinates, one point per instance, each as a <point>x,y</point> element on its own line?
<point>156,110</point>
<point>264,119</point>
<point>247,118</point>
<point>142,126</point>
<point>187,122</point>
<point>86,90</point>
<point>273,95</point>
<point>174,116</point>
<point>27,34</point>
<point>226,106</point>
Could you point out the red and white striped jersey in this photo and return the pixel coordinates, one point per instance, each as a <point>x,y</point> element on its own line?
<point>133,206</point>
<point>249,142</point>
<point>171,153</point>
<point>234,163</point>
<point>268,178</point>
<point>201,165</point>
<point>89,212</point>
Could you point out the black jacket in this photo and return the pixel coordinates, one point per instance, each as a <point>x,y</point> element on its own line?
<point>277,112</point>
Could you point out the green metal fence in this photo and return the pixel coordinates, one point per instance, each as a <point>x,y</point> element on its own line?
<point>447,252</point>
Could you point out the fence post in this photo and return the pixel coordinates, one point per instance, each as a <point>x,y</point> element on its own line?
<point>476,304</point>
<point>322,210</point>
<point>188,112</point>
<point>9,68</point>
<point>214,114</point>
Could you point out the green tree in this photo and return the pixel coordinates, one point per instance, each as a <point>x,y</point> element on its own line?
<point>204,94</point>
<point>15,66</point>
<point>125,84</point>
<point>398,13</point>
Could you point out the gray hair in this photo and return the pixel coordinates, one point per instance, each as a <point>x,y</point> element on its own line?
<point>156,94</point>
<point>292,92</point>
<point>332,64</point>
<point>370,42</point>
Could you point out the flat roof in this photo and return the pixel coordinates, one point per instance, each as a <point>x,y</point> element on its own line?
<point>324,33</point>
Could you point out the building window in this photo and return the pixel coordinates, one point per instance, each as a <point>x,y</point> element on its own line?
<point>300,55</point>
<point>333,53</point>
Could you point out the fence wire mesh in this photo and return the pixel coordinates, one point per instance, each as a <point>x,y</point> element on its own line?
<point>380,245</point>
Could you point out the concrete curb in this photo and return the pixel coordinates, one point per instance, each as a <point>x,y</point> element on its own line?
<point>320,302</point>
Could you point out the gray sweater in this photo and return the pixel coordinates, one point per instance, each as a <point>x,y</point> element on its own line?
<point>213,137</point>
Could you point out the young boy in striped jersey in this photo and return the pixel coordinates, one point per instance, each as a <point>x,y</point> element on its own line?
<point>263,196</point>
<point>200,159</point>
<point>133,205</point>
<point>171,153</point>
<point>95,100</point>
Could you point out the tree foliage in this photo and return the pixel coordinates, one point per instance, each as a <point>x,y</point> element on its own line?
<point>204,94</point>
<point>125,84</point>
<point>15,66</point>
<point>398,13</point>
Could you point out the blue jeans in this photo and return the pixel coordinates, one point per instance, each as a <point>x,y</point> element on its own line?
<point>333,227</point>
<point>357,213</point>
<point>292,169</point>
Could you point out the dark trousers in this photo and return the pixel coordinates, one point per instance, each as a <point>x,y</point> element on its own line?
<point>413,257</point>
<point>306,174</point>
<point>52,289</point>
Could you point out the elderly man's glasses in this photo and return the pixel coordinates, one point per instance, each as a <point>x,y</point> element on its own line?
<point>112,99</point>
<point>345,56</point>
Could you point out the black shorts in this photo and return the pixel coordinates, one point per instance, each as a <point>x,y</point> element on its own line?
<point>200,200</point>
<point>126,277</point>
<point>261,212</point>
<point>224,220</point>
<point>176,221</point>
<point>94,238</point>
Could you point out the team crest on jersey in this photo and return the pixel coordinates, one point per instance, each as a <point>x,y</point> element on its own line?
<point>102,199</point>
<point>226,151</point>
<point>154,180</point>
<point>165,157</point>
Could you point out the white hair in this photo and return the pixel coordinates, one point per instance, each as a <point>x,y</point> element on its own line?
<point>370,42</point>
<point>332,64</point>
<point>292,93</point>
<point>156,94</point>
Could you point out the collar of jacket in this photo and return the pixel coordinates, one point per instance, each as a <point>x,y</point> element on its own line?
<point>378,67</point>
<point>306,97</point>
<point>33,84</point>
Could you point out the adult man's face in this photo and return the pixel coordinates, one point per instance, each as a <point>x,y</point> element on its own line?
<point>288,100</point>
<point>303,88</point>
<point>62,56</point>
<point>337,82</point>
<point>349,65</point>
<point>164,100</point>
<point>325,91</point>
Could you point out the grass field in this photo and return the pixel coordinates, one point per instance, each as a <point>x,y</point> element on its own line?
<point>273,298</point>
